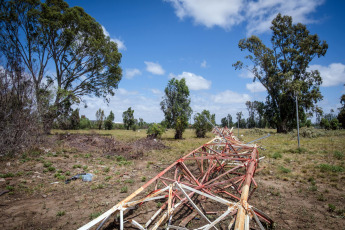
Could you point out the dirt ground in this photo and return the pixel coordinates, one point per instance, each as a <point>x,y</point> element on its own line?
<point>36,196</point>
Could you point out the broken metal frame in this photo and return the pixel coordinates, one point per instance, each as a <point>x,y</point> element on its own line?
<point>215,180</point>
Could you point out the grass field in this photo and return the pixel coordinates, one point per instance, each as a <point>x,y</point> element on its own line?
<point>299,188</point>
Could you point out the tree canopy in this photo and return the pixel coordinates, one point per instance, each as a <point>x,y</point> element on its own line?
<point>176,106</point>
<point>50,33</point>
<point>283,70</point>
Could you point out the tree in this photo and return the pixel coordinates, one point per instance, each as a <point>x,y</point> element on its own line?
<point>128,118</point>
<point>229,119</point>
<point>74,119</point>
<point>201,125</point>
<point>224,122</point>
<point>341,115</point>
<point>99,118</point>
<point>108,123</point>
<point>239,118</point>
<point>51,33</point>
<point>84,122</point>
<point>283,69</point>
<point>176,106</point>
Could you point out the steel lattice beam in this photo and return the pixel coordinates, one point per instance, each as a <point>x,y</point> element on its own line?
<point>216,179</point>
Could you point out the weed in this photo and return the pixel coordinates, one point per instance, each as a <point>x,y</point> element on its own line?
<point>99,186</point>
<point>277,155</point>
<point>68,173</point>
<point>88,155</point>
<point>51,169</point>
<point>47,164</point>
<point>298,150</point>
<point>159,204</point>
<point>312,188</point>
<point>149,164</point>
<point>124,189</point>
<point>60,171</point>
<point>77,166</point>
<point>143,179</point>
<point>107,178</point>
<point>331,207</point>
<point>338,155</point>
<point>6,175</point>
<point>94,215</point>
<point>284,170</point>
<point>107,169</point>
<point>85,167</point>
<point>130,181</point>
<point>330,168</point>
<point>10,188</point>
<point>60,213</point>
<point>321,197</point>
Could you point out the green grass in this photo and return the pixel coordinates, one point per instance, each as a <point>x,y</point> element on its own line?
<point>330,168</point>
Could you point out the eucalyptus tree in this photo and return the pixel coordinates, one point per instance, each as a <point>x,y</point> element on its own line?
<point>176,106</point>
<point>128,118</point>
<point>283,70</point>
<point>62,48</point>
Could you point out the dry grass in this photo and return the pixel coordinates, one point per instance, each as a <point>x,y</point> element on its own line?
<point>315,174</point>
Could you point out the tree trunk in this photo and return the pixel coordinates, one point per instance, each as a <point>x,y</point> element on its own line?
<point>178,134</point>
<point>282,127</point>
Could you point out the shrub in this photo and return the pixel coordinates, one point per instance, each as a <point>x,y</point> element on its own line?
<point>334,124</point>
<point>155,130</point>
<point>201,125</point>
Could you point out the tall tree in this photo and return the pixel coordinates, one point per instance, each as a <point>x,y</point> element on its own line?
<point>341,115</point>
<point>99,118</point>
<point>50,32</point>
<point>201,125</point>
<point>176,106</point>
<point>283,69</point>
<point>224,122</point>
<point>108,123</point>
<point>128,118</point>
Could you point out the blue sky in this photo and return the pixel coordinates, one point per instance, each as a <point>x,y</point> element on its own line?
<point>198,40</point>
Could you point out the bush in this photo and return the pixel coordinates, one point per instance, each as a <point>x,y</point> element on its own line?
<point>201,125</point>
<point>84,123</point>
<point>335,124</point>
<point>108,124</point>
<point>19,127</point>
<point>325,124</point>
<point>155,130</point>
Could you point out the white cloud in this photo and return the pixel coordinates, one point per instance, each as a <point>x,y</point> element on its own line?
<point>119,42</point>
<point>260,13</point>
<point>154,68</point>
<point>130,73</point>
<point>230,97</point>
<point>122,91</point>
<point>255,87</point>
<point>156,91</point>
<point>332,75</point>
<point>203,64</point>
<point>257,13</point>
<point>246,74</point>
<point>193,81</point>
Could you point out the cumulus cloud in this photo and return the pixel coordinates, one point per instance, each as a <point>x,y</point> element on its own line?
<point>130,73</point>
<point>332,75</point>
<point>119,42</point>
<point>257,13</point>
<point>193,81</point>
<point>125,92</point>
<point>230,97</point>
<point>156,91</point>
<point>154,68</point>
<point>255,87</point>
<point>203,64</point>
